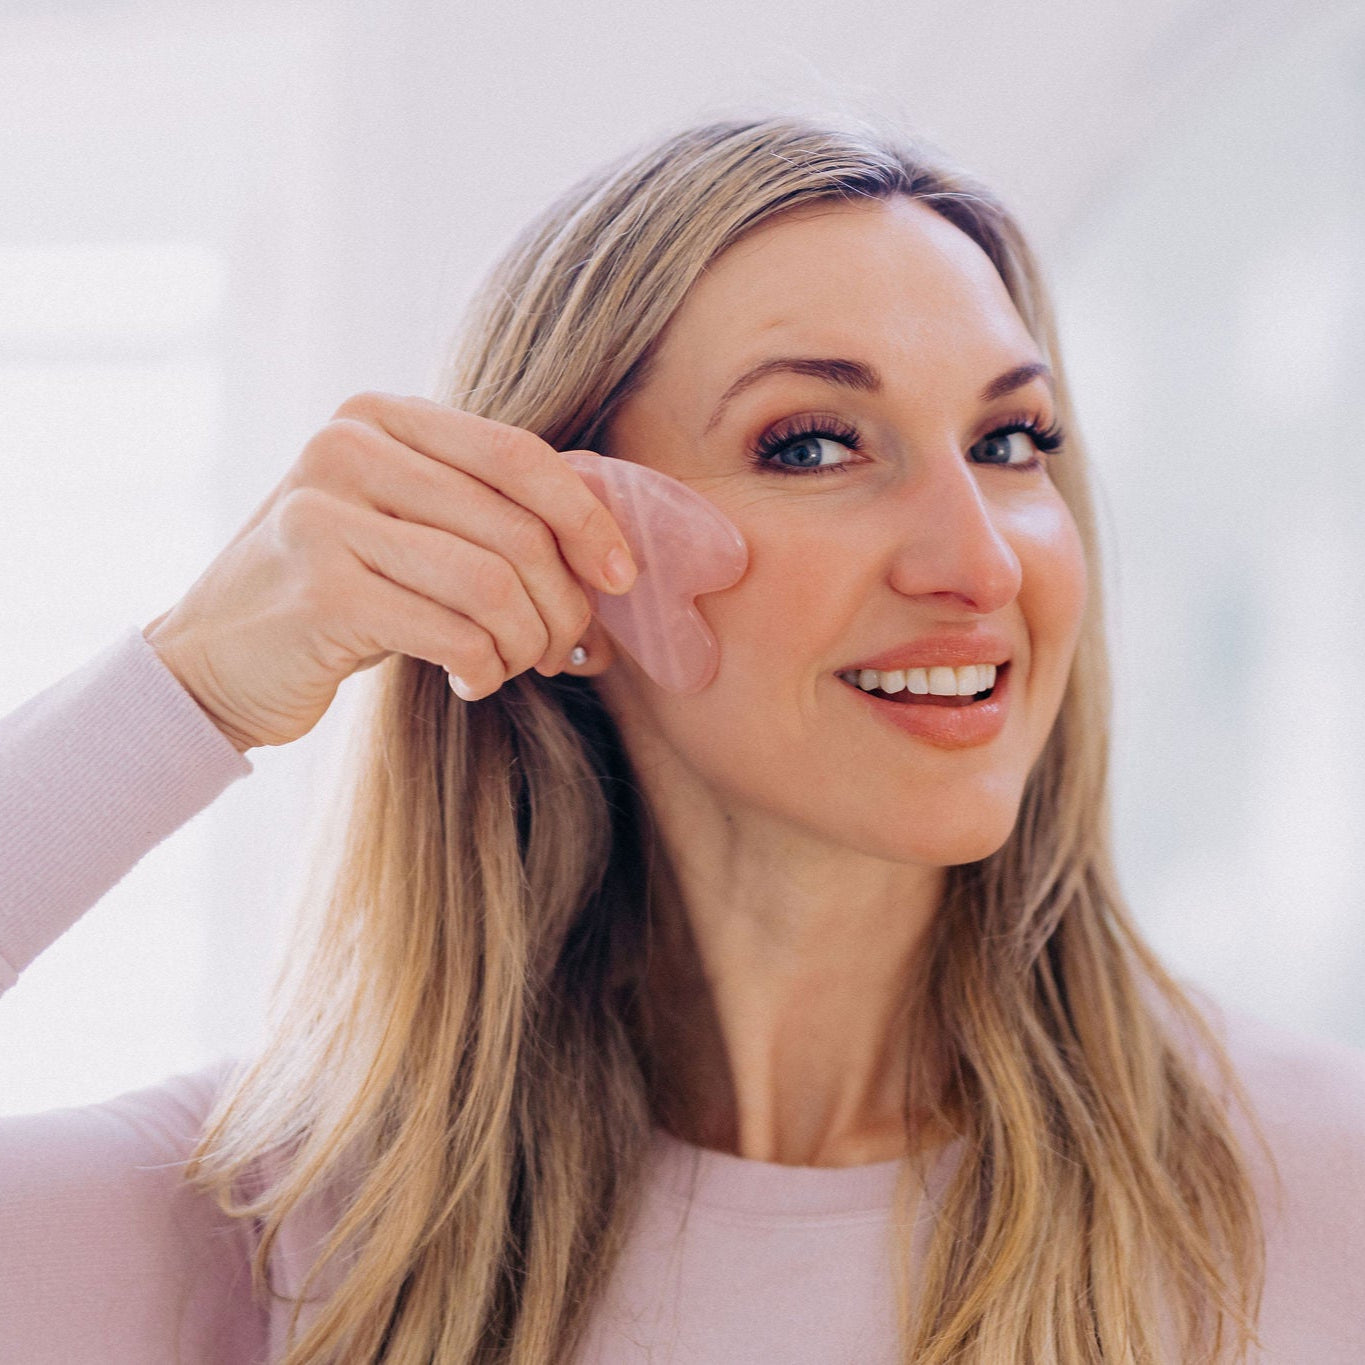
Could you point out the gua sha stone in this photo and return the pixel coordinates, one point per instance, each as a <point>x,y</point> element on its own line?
<point>683,546</point>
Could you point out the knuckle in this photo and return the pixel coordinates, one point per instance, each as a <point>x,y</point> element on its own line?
<point>300,515</point>
<point>540,641</point>
<point>512,446</point>
<point>597,523</point>
<point>493,580</point>
<point>485,669</point>
<point>583,617</point>
<point>573,613</point>
<point>335,448</point>
<point>489,668</point>
<point>475,657</point>
<point>526,652</point>
<point>569,628</point>
<point>529,538</point>
<point>364,406</point>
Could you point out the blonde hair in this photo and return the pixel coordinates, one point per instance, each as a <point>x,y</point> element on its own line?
<point>459,1044</point>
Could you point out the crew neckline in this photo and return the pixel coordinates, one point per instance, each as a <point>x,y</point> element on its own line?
<point>701,1175</point>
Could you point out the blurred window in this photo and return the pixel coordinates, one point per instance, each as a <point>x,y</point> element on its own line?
<point>1213,319</point>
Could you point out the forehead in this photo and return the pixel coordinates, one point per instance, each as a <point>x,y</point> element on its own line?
<point>881,279</point>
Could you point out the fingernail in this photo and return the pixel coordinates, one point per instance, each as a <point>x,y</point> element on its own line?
<point>618,570</point>
<point>460,688</point>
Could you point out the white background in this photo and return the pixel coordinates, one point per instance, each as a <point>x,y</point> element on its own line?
<point>217,222</point>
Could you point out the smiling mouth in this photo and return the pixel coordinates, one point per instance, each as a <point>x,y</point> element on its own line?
<point>905,697</point>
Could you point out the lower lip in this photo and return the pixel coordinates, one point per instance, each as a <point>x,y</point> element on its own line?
<point>945,727</point>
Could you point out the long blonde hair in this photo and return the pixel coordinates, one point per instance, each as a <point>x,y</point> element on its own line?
<point>458,1045</point>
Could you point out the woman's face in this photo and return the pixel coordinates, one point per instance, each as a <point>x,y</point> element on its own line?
<point>834,384</point>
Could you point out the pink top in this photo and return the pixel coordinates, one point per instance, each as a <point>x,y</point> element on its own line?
<point>105,1257</point>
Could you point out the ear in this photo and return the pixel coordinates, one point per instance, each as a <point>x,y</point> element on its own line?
<point>601,652</point>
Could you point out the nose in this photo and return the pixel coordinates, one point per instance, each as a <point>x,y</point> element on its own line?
<point>950,540</point>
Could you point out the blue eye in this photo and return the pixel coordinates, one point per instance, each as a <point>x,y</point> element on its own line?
<point>809,452</point>
<point>999,443</point>
<point>802,446</point>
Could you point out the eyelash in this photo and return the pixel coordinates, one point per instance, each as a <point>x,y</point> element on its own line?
<point>1047,439</point>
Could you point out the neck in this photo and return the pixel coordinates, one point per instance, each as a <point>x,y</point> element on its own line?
<point>779,1015</point>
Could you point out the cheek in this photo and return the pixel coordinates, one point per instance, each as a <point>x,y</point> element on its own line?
<point>789,596</point>
<point>1055,579</point>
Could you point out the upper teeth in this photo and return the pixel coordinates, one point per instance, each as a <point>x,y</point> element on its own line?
<point>965,681</point>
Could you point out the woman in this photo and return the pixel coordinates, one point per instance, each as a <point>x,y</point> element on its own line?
<point>798,1018</point>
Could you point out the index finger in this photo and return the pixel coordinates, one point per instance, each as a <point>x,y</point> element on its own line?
<point>518,464</point>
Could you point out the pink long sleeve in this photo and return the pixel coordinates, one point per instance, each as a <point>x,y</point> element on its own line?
<point>95,771</point>
<point>105,1255</point>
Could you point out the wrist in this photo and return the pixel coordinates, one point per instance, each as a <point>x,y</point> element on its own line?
<point>165,651</point>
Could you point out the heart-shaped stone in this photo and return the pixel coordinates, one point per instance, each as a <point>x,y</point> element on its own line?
<point>683,546</point>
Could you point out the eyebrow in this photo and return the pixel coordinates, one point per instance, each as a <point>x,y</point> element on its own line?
<point>856,374</point>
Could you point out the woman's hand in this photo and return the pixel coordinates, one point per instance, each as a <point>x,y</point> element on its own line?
<point>404,526</point>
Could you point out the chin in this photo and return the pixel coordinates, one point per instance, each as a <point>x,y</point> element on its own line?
<point>942,841</point>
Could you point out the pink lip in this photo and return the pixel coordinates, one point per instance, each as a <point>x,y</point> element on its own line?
<point>940,651</point>
<point>945,727</point>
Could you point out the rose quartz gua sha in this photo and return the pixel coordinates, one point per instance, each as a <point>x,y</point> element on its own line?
<point>683,546</point>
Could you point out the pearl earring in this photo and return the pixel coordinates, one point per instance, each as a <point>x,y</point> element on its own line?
<point>578,655</point>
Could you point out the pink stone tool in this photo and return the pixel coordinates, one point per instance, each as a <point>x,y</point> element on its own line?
<point>683,546</point>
